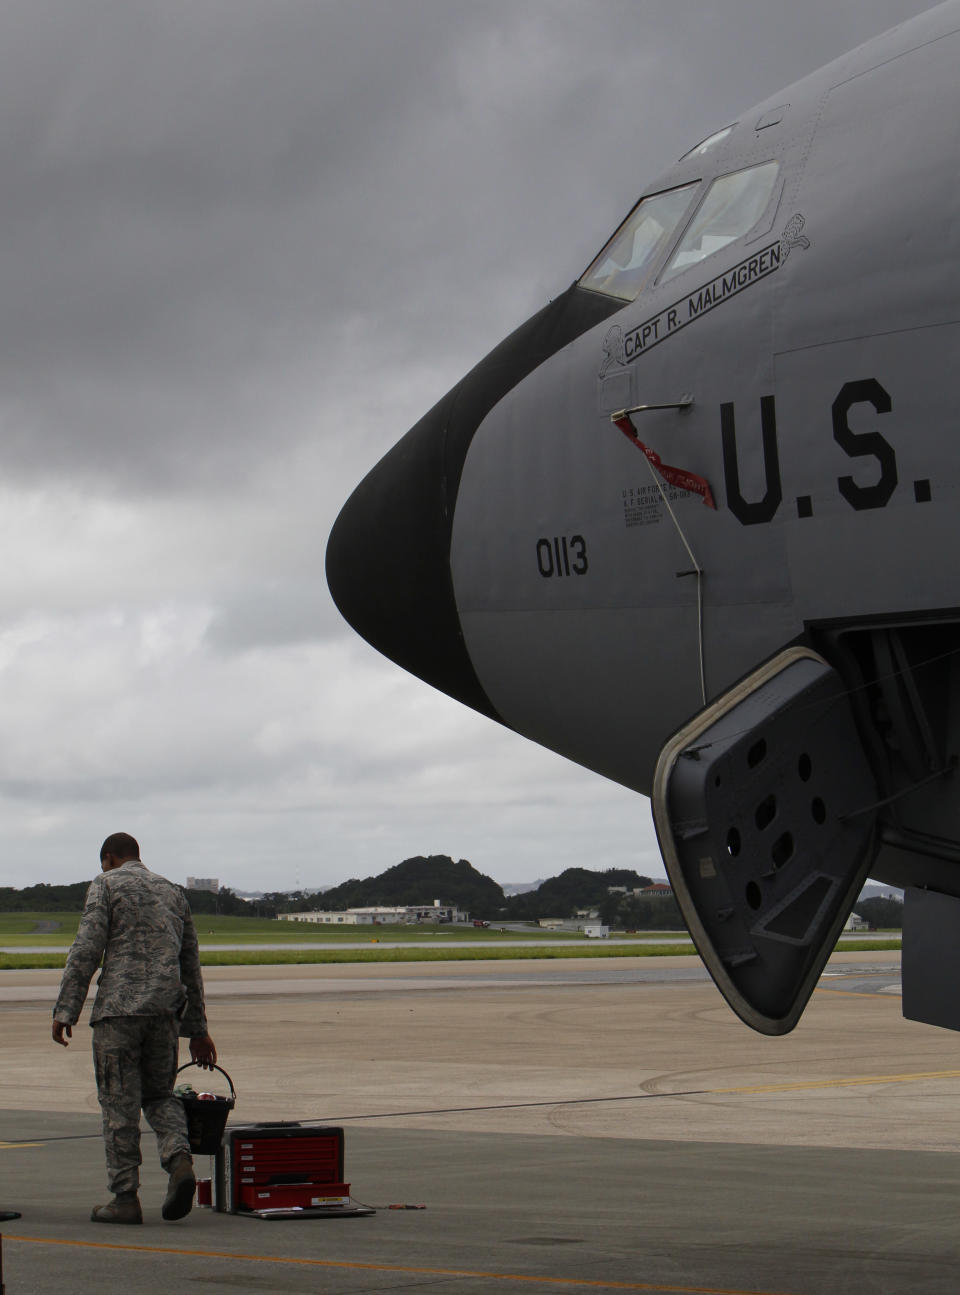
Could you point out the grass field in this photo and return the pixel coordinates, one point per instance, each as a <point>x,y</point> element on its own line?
<point>22,929</point>
<point>445,953</point>
<point>56,930</point>
<point>283,957</point>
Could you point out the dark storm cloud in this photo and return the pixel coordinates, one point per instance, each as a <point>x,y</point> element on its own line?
<point>243,247</point>
<point>216,215</point>
<point>181,181</point>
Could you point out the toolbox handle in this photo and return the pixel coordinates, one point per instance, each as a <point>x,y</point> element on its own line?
<point>187,1064</point>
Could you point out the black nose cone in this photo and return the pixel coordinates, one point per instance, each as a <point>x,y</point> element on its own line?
<point>388,560</point>
<point>388,556</point>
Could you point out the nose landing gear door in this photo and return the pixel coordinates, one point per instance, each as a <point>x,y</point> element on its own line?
<point>764,808</point>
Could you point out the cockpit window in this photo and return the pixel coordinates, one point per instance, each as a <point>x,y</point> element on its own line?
<point>733,205</point>
<point>710,142</point>
<point>625,264</point>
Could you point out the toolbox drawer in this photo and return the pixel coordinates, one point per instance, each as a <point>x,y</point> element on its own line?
<point>292,1195</point>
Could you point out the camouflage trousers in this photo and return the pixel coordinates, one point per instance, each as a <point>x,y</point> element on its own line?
<point>135,1060</point>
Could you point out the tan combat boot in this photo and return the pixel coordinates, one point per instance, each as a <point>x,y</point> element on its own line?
<point>179,1198</point>
<point>124,1208</point>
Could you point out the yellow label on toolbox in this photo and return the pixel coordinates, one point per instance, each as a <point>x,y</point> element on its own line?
<point>329,1200</point>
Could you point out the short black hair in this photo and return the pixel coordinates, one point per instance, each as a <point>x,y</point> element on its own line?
<point>121,845</point>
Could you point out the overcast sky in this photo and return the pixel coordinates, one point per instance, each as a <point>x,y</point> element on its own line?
<point>243,247</point>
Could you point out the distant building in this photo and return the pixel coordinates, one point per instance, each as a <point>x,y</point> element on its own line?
<point>204,883</point>
<point>349,917</point>
<point>382,914</point>
<point>584,923</point>
<point>658,888</point>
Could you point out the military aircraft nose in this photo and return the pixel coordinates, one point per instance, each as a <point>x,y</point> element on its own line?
<point>388,559</point>
<point>388,556</point>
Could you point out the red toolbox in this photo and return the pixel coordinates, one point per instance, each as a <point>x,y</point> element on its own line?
<point>284,1166</point>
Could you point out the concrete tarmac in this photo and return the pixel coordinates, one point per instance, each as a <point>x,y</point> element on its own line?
<point>568,1127</point>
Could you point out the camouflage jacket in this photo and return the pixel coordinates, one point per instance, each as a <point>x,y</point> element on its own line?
<point>139,924</point>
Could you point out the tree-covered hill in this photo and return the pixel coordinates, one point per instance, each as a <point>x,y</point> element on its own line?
<point>880,913</point>
<point>574,889</point>
<point>421,881</point>
<point>41,898</point>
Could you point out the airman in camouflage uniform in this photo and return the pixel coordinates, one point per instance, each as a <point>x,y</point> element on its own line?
<point>149,993</point>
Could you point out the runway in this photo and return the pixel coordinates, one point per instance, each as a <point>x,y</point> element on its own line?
<point>575,1127</point>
